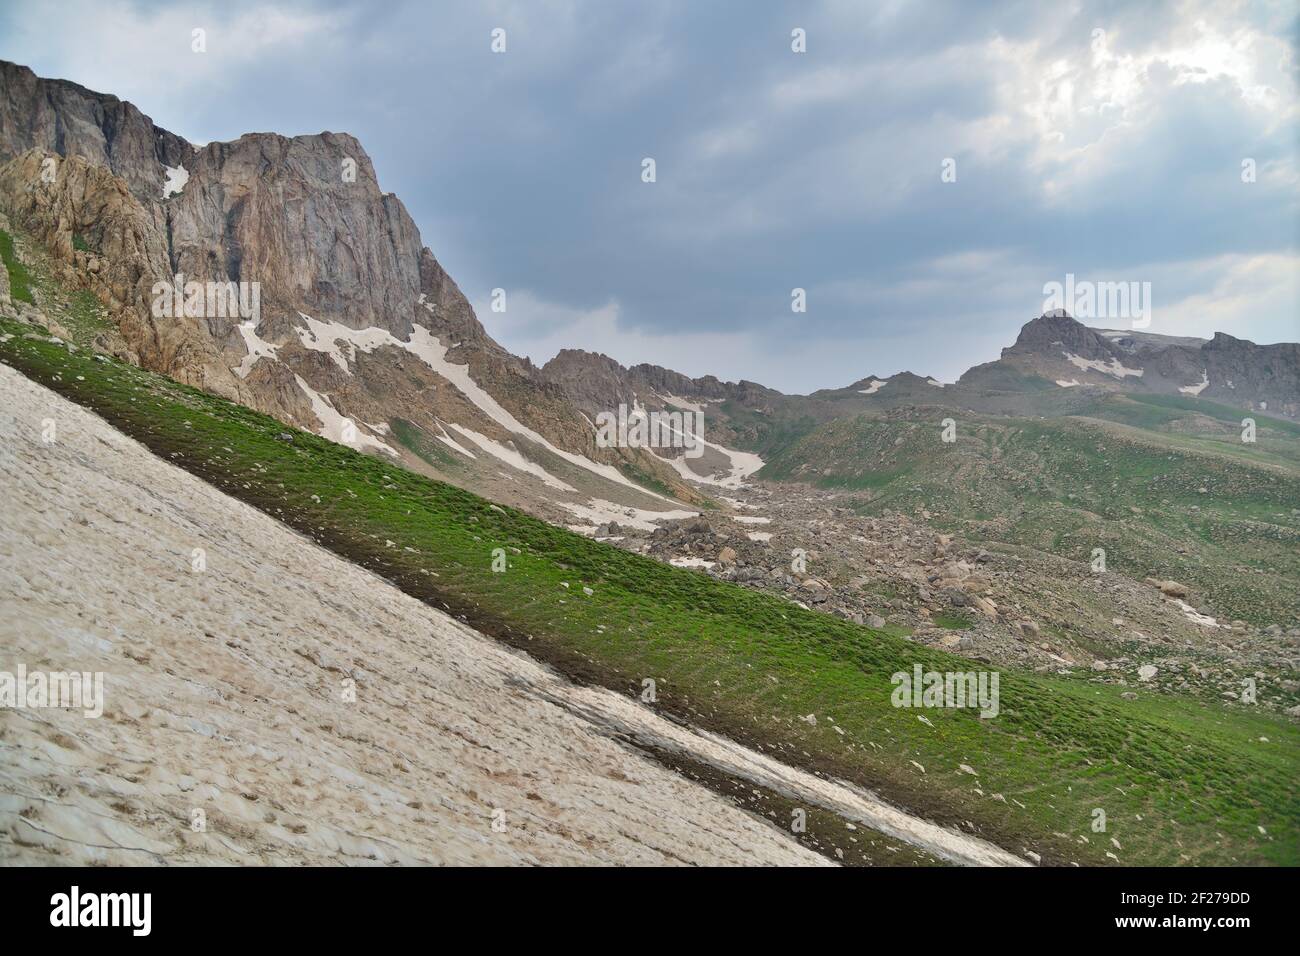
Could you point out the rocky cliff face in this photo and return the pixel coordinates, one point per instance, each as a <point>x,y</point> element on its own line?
<point>351,326</point>
<point>596,382</point>
<point>306,218</point>
<point>1260,373</point>
<point>592,381</point>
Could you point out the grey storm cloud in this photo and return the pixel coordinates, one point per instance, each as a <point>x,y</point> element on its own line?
<point>1102,139</point>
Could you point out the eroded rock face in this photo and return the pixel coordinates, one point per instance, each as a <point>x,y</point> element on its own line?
<point>1264,370</point>
<point>125,252</point>
<point>1051,333</point>
<point>596,384</point>
<point>593,381</point>
<point>60,117</point>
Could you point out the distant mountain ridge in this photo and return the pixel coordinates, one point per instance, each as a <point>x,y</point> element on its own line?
<point>1234,371</point>
<point>1052,351</point>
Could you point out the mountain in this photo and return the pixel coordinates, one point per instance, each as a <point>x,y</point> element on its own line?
<point>61,117</point>
<point>1057,348</point>
<point>1154,473</point>
<point>352,327</point>
<point>597,384</point>
<point>838,537</point>
<point>358,334</point>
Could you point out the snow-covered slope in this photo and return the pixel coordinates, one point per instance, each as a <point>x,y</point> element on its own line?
<point>227,693</point>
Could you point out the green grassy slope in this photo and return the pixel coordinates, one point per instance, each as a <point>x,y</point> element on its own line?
<point>19,282</point>
<point>1179,781</point>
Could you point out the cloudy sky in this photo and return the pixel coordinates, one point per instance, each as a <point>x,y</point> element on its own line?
<point>1100,139</point>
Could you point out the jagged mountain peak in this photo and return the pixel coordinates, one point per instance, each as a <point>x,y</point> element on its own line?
<point>1057,329</point>
<point>597,381</point>
<point>909,378</point>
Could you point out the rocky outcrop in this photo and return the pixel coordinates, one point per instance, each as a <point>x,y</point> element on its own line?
<point>592,381</point>
<point>667,382</point>
<point>1258,373</point>
<point>596,382</point>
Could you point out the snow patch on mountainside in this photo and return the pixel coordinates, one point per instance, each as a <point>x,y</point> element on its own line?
<point>741,464</point>
<point>258,348</point>
<point>450,442</point>
<point>873,386</point>
<point>597,511</point>
<point>511,457</point>
<point>335,426</point>
<point>1197,389</point>
<point>332,425</point>
<point>683,403</point>
<point>177,177</point>
<point>325,337</point>
<point>1113,368</point>
<point>425,346</point>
